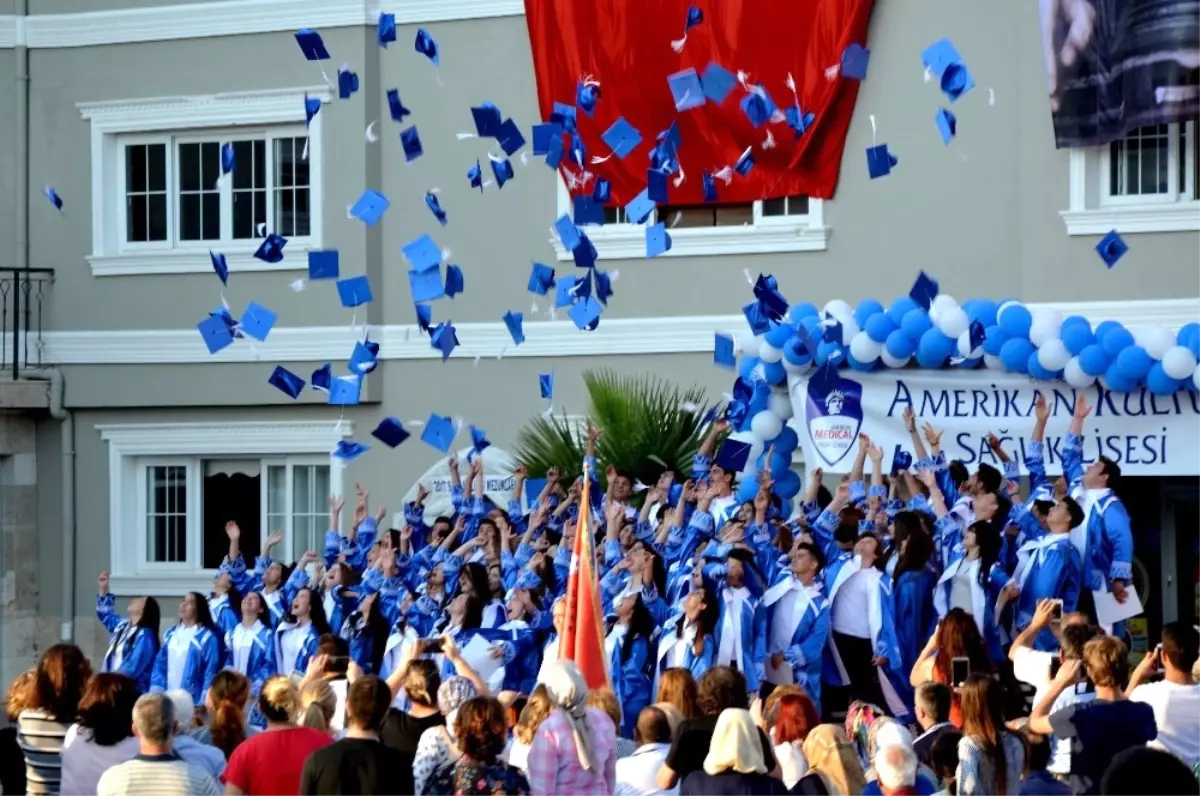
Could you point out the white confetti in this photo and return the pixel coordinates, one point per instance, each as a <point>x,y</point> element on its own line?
<point>370,134</point>
<point>638,486</point>
<point>749,279</point>
<point>832,72</point>
<point>928,74</point>
<point>769,143</point>
<point>298,285</point>
<point>614,274</point>
<point>261,228</point>
<point>991,97</point>
<point>348,213</point>
<point>464,136</point>
<point>676,219</point>
<point>872,127</point>
<point>524,158</point>
<point>689,406</point>
<point>476,362</point>
<point>549,412</point>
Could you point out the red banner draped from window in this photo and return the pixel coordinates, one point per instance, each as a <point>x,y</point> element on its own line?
<point>626,46</point>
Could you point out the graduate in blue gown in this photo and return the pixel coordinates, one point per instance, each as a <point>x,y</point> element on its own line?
<point>133,641</point>
<point>250,649</point>
<point>297,635</point>
<point>1048,567</point>
<point>628,646</point>
<point>973,580</point>
<point>366,632</point>
<point>190,655</point>
<point>798,623</point>
<point>913,581</point>
<point>688,640</point>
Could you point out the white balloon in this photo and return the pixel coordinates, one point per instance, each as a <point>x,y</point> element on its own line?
<point>747,343</point>
<point>780,403</point>
<point>992,362</point>
<point>943,302</point>
<point>864,349</point>
<point>1157,340</point>
<point>769,353</point>
<point>841,312</point>
<point>1045,326</point>
<point>964,347</point>
<point>1178,362</point>
<point>953,322</point>
<point>891,361</point>
<point>766,425</point>
<point>1053,354</point>
<point>1074,375</point>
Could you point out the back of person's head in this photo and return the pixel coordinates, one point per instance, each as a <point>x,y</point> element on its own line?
<point>830,753</point>
<point>606,700</point>
<point>677,687</point>
<point>452,693</point>
<point>1140,769</point>
<point>1073,638</point>
<point>22,692</point>
<point>943,755</point>
<point>332,646</point>
<point>185,709</point>
<point>537,709</point>
<point>1107,662</point>
<point>720,688</point>
<point>982,699</point>
<point>652,727</point>
<point>734,745</point>
<point>277,700</point>
<point>1039,750</point>
<point>62,674</point>
<point>795,719</point>
<point>933,699</point>
<point>154,719</point>
<point>767,708</point>
<point>318,703</point>
<point>895,767</point>
<point>1180,646</point>
<point>106,709</point>
<point>367,702</point>
<point>989,477</point>
<point>421,682</point>
<point>480,730</point>
<point>227,698</point>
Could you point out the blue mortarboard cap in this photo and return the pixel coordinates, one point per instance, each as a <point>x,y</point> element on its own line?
<point>390,432</point>
<point>564,116</point>
<point>541,279</point>
<point>656,186</point>
<point>602,193</point>
<point>513,320</point>
<point>622,137</point>
<point>323,264</point>
<point>454,280</point>
<point>385,30</point>
<point>426,46</point>
<point>422,253</point>
<point>502,170</point>
<point>773,304</point>
<point>349,450</point>
<point>924,290</point>
<point>220,267</point>
<point>585,314</point>
<point>723,351</point>
<point>799,120</point>
<point>369,207</point>
<point>439,432</point>
<point>410,140</point>
<point>686,89</point>
<point>947,124</point>
<point>710,188</point>
<point>717,82</point>
<point>587,210</point>
<point>344,391</point>
<point>53,198</point>
<point>583,285</point>
<point>216,333</point>
<point>759,322</point>
<point>658,240</point>
<point>978,333</point>
<point>854,61</point>
<point>321,377</point>
<point>444,339</point>
<point>510,138</point>
<point>487,120</point>
<point>354,291</point>
<point>347,83</point>
<point>228,158</point>
<point>567,232</point>
<point>901,460</point>
<point>395,106</point>
<point>639,208</point>
<point>475,176</point>
<point>564,292</point>
<point>286,381</point>
<point>880,162</point>
<point>733,456</point>
<point>311,45</point>
<point>311,106</point>
<point>585,253</point>
<point>424,316</point>
<point>257,321</point>
<point>479,440</point>
<point>586,97</point>
<point>1111,248</point>
<point>364,358</point>
<point>533,490</point>
<point>833,333</point>
<point>543,135</point>
<point>755,108</point>
<point>546,385</point>
<point>554,152</point>
<point>744,163</point>
<point>945,64</point>
<point>669,140</point>
<point>435,207</point>
<point>603,287</point>
<point>271,249</point>
<point>426,285</point>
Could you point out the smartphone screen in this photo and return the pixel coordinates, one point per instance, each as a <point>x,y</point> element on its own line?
<point>960,670</point>
<point>1057,614</point>
<point>338,664</point>
<point>431,645</point>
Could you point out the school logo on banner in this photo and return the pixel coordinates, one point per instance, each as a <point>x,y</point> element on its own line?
<point>833,414</point>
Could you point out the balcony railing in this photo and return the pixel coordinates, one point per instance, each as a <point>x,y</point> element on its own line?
<point>23,291</point>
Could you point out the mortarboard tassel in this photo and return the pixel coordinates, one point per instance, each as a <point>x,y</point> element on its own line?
<point>370,134</point>
<point>695,16</point>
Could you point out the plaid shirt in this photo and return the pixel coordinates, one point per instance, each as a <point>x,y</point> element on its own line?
<point>553,766</point>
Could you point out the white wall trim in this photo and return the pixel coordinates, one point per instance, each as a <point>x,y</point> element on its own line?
<point>1082,218</point>
<point>616,336</point>
<point>9,34</point>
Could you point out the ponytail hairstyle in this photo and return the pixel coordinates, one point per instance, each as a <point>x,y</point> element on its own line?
<point>227,697</point>
<point>317,705</point>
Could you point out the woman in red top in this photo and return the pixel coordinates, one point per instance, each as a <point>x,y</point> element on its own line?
<point>956,636</point>
<point>271,762</point>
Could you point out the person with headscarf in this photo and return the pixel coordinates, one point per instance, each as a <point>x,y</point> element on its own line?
<point>734,764</point>
<point>833,766</point>
<point>574,750</point>
<point>438,748</point>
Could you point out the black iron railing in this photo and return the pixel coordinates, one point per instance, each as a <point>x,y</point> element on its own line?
<point>23,291</point>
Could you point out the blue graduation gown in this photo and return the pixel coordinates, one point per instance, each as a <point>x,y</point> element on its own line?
<point>983,600</point>
<point>1048,568</point>
<point>1107,546</point>
<point>224,615</point>
<point>260,665</point>
<point>131,649</point>
<point>201,666</point>
<point>307,650</point>
<point>696,664</point>
<point>808,636</point>
<point>915,616</point>
<point>630,678</point>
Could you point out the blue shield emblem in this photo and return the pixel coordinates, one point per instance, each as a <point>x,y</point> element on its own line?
<point>833,414</point>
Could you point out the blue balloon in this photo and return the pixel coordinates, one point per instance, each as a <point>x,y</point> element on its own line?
<point>993,338</point>
<point>758,401</point>
<point>1159,382</point>
<point>826,350</point>
<point>981,310</point>
<point>746,366</point>
<point>779,464</point>
<point>774,373</point>
<point>916,323</point>
<point>934,349</point>
<point>900,345</point>
<point>1189,338</point>
<point>1116,381</point>
<point>879,326</point>
<point>803,310</point>
<point>788,485</point>
<point>795,353</point>
<point>865,309</point>
<point>785,506</point>
<point>857,365</point>
<point>810,323</point>
<point>747,489</point>
<point>1076,334</point>
<point>778,334</point>
<point>1133,362</point>
<point>1094,360</point>
<point>1016,320</point>
<point>901,307</point>
<point>1115,339</point>
<point>1036,370</point>
<point>1015,353</point>
<point>1103,328</point>
<point>787,441</point>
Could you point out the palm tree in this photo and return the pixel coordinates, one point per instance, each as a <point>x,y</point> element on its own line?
<point>649,426</point>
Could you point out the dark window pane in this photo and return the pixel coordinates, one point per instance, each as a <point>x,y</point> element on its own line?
<point>797,205</point>
<point>1132,180</point>
<point>211,216</point>
<point>211,164</point>
<point>135,168</point>
<point>157,157</point>
<point>244,169</point>
<point>135,219</point>
<point>260,165</point>
<point>774,207</point>
<point>227,497</point>
<point>285,211</point>
<point>733,215</point>
<point>260,212</point>
<point>284,157</point>
<point>189,216</point>
<point>243,214</point>
<point>300,167</point>
<point>612,215</point>
<point>1115,153</point>
<point>158,217</point>
<point>189,167</point>
<point>302,223</point>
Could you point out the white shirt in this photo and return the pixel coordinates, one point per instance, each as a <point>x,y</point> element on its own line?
<point>731,628</point>
<point>636,774</point>
<point>792,763</point>
<point>677,657</point>
<point>960,585</point>
<point>177,652</point>
<point>339,687</point>
<point>291,641</point>
<point>327,603</point>
<point>84,760</point>
<point>614,639</point>
<point>243,640</point>
<point>1079,533</point>
<point>720,507</point>
<point>1033,667</point>
<point>1177,712</point>
<point>852,605</point>
<point>784,618</point>
<point>549,653</point>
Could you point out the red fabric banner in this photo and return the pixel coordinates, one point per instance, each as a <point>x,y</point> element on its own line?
<point>626,46</point>
<point>583,632</point>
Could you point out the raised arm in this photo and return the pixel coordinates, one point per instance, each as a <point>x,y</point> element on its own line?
<point>910,425</point>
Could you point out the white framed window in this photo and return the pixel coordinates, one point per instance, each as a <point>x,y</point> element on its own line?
<point>791,224</point>
<point>172,488</point>
<point>1145,182</point>
<point>159,202</point>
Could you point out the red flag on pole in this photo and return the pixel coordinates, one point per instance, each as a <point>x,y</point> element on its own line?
<point>583,634</point>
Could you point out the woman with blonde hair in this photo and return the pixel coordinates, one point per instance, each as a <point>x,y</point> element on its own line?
<point>536,709</point>
<point>318,704</point>
<point>12,759</point>
<point>734,765</point>
<point>677,688</point>
<point>833,765</point>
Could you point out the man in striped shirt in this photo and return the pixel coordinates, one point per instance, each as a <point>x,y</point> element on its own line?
<point>157,770</point>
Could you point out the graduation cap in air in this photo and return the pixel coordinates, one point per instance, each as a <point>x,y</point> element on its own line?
<point>424,316</point>
<point>228,158</point>
<point>435,207</point>
<point>454,280</point>
<point>439,432</point>
<point>286,381</point>
<point>602,193</point>
<point>347,83</point>
<point>733,455</point>
<point>390,432</point>
<point>475,176</point>
<point>924,291</point>
<point>444,338</point>
<point>487,118</point>
<point>622,137</point>
<point>323,264</point>
<point>513,322</point>
<point>321,377</point>
<point>370,207</point>
<point>410,142</point>
<point>396,107</point>
<point>723,351</point>
<point>880,162</point>
<point>385,30</point>
<point>364,358</point>
<point>639,208</point>
<point>766,290</point>
<point>219,266</point>
<point>546,386</point>
<point>53,198</point>
<point>854,61</point>
<point>947,124</point>
<point>426,46</point>
<point>658,240</point>
<point>502,169</point>
<point>564,116</point>
<point>311,45</point>
<point>587,94</point>
<point>215,332</point>
<point>1111,248</point>
<point>541,279</point>
<point>686,90</point>
<point>257,321</point>
<point>349,450</point>
<point>717,82</point>
<point>585,314</point>
<point>344,391</point>
<point>354,291</point>
<point>271,249</point>
<point>947,66</point>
